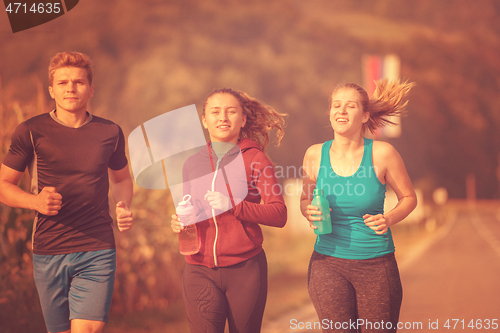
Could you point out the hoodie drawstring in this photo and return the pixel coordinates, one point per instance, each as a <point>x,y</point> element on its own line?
<point>213,214</point>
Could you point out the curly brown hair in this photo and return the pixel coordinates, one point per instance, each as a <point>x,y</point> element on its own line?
<point>261,119</point>
<point>386,101</point>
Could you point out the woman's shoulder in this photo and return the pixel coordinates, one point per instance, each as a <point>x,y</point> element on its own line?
<point>257,155</point>
<point>312,157</point>
<point>314,149</point>
<point>384,150</point>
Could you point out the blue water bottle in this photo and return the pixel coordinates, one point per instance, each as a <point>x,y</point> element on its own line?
<point>325,224</point>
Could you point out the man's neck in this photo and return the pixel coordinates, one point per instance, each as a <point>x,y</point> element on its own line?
<point>71,119</point>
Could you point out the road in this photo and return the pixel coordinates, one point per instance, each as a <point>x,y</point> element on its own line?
<point>451,280</point>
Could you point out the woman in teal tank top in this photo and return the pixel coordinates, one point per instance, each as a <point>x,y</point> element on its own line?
<point>350,198</point>
<point>353,277</point>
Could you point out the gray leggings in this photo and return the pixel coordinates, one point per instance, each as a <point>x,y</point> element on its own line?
<point>237,293</point>
<point>355,295</point>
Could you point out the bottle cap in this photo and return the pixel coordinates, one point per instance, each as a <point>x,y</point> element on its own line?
<point>186,200</point>
<point>318,191</point>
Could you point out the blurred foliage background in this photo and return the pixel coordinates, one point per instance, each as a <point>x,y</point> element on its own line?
<point>156,56</point>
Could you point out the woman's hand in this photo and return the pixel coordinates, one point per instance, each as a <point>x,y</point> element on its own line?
<point>218,201</point>
<point>176,224</point>
<point>377,223</point>
<point>312,215</point>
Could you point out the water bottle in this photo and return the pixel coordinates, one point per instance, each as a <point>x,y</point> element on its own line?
<point>325,224</point>
<point>188,237</point>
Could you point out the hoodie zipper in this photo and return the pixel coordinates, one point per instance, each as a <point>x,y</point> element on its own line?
<point>213,215</point>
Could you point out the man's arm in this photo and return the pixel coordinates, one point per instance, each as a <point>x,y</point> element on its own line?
<point>122,192</point>
<point>47,202</point>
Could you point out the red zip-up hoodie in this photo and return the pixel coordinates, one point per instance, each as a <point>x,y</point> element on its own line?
<point>233,236</point>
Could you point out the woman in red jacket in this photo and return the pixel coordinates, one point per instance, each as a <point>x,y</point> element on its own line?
<point>227,278</point>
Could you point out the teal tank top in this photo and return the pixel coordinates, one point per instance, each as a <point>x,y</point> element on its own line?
<point>350,198</point>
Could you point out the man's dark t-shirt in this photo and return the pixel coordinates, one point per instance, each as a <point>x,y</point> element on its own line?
<point>75,161</point>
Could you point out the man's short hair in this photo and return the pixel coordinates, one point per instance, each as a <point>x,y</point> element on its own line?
<point>70,59</point>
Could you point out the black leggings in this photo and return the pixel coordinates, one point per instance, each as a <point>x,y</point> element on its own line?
<point>237,293</point>
<point>355,295</point>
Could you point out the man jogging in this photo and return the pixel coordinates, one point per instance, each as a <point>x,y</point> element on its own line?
<point>72,156</point>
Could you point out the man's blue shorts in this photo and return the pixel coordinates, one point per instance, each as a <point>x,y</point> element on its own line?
<point>75,286</point>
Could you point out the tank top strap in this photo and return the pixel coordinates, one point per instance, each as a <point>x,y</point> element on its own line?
<point>367,153</point>
<point>325,158</point>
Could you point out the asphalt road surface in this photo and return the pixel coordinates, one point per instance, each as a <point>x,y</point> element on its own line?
<point>451,281</point>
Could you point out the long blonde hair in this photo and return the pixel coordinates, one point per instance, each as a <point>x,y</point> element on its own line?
<point>261,119</point>
<point>386,101</point>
